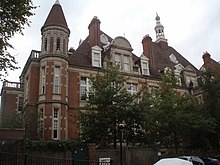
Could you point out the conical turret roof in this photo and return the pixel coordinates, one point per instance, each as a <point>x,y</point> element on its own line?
<point>56,17</point>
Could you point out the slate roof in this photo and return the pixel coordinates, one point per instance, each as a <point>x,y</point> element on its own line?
<point>56,17</point>
<point>81,57</point>
<point>162,60</point>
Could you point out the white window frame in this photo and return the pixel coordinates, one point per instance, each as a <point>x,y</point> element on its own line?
<point>132,88</point>
<point>56,123</point>
<point>57,80</point>
<point>145,65</point>
<point>85,88</point>
<point>145,68</point>
<point>117,59</point>
<point>41,123</point>
<point>126,63</point>
<point>96,56</point>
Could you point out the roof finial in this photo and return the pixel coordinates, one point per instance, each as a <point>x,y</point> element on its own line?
<point>159,30</point>
<point>57,2</point>
<point>157,17</point>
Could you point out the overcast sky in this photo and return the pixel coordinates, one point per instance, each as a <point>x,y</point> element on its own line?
<point>191,26</point>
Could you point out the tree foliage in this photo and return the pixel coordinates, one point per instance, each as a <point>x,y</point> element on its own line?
<point>210,84</point>
<point>110,106</point>
<point>175,117</point>
<point>14,120</point>
<point>13,17</point>
<point>162,118</point>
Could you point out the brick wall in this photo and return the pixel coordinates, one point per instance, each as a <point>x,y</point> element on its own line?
<point>11,133</point>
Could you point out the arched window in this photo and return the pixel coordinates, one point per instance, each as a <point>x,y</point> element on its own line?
<point>58,44</point>
<point>51,44</point>
<point>45,44</point>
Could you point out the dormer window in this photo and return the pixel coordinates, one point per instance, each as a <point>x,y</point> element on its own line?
<point>96,56</point>
<point>96,59</point>
<point>145,68</point>
<point>144,65</point>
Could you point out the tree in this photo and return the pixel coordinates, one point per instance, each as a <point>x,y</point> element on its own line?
<point>109,106</point>
<point>14,120</point>
<point>13,17</point>
<point>210,84</point>
<point>175,117</point>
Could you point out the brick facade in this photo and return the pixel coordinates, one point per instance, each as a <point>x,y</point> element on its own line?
<point>50,80</point>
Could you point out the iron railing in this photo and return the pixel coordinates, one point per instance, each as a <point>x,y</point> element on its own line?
<point>25,159</point>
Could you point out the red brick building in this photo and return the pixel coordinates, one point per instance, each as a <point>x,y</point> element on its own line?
<point>54,80</point>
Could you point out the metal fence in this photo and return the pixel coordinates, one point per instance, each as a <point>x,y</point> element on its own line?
<point>25,159</point>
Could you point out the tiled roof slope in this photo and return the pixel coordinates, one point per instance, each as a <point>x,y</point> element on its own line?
<point>82,56</point>
<point>162,60</point>
<point>56,17</point>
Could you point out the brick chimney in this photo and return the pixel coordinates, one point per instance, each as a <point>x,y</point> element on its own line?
<point>147,50</point>
<point>94,32</point>
<point>206,58</point>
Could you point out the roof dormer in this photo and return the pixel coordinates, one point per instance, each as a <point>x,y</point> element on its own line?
<point>144,65</point>
<point>96,56</point>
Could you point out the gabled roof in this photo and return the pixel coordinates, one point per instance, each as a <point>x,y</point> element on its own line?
<point>56,17</point>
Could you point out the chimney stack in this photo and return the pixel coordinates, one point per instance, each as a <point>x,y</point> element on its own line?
<point>206,58</point>
<point>94,32</point>
<point>147,50</point>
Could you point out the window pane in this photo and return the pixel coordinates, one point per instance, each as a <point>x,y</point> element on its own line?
<point>55,122</point>
<point>57,79</point>
<point>118,59</point>
<point>135,87</point>
<point>132,88</point>
<point>45,44</point>
<point>126,63</point>
<point>128,86</point>
<point>55,133</point>
<point>58,44</point>
<point>55,113</point>
<point>145,68</point>
<point>41,123</point>
<point>43,80</point>
<point>96,59</point>
<point>83,84</point>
